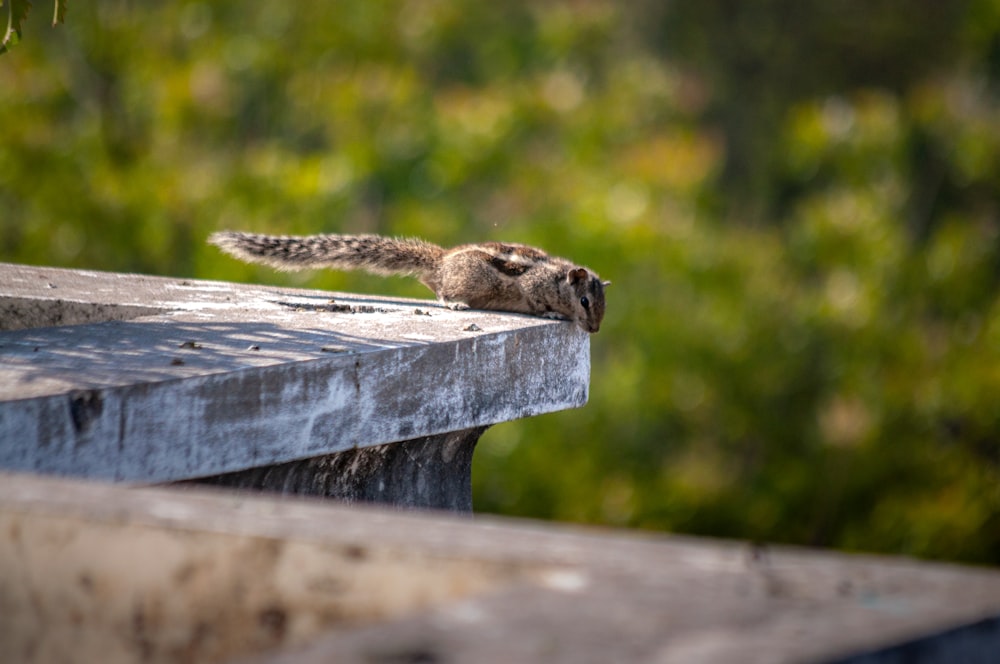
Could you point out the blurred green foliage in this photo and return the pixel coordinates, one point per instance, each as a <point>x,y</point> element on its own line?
<point>798,203</point>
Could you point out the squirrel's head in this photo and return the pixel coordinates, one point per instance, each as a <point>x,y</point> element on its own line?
<point>587,300</point>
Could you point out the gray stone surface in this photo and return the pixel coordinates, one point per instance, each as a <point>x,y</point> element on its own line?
<point>432,472</point>
<point>96,572</point>
<point>155,379</point>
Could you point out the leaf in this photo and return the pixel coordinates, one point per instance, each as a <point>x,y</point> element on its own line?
<point>17,11</point>
<point>59,15</point>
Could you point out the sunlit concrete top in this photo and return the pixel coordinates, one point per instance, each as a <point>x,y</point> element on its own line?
<point>138,378</point>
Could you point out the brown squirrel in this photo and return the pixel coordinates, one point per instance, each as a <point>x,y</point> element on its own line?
<point>489,275</point>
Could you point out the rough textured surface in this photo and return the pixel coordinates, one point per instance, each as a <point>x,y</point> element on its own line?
<point>221,377</point>
<point>432,472</point>
<point>22,313</point>
<point>101,574</point>
<point>92,572</point>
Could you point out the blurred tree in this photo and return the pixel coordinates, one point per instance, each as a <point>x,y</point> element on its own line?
<point>797,202</point>
<point>761,59</point>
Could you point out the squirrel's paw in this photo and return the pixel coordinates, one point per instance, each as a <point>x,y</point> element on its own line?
<point>456,306</point>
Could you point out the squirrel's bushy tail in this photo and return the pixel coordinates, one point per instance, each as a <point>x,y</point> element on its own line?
<point>371,253</point>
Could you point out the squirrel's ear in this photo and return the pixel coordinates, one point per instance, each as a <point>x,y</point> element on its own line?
<point>576,275</point>
<point>605,283</point>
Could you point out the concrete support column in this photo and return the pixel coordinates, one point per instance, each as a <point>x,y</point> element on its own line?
<point>432,472</point>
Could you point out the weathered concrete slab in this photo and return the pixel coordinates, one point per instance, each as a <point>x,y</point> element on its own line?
<point>190,378</point>
<point>92,572</point>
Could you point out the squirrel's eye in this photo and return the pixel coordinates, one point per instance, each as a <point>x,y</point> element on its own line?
<point>585,302</point>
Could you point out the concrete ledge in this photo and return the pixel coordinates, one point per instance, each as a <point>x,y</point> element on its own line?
<point>155,379</point>
<point>92,572</point>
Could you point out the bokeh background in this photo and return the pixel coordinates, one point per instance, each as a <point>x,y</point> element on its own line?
<point>798,202</point>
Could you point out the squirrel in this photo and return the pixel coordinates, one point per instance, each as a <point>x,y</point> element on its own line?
<point>488,275</point>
